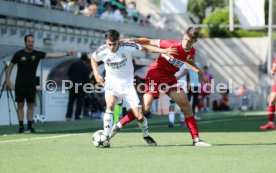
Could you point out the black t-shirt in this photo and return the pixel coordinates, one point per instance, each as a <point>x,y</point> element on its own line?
<point>27,63</point>
<point>79,72</point>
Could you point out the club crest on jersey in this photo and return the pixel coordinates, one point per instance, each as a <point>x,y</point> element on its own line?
<point>33,58</point>
<point>23,58</point>
<point>177,63</point>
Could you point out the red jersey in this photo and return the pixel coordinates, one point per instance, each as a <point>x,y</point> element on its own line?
<point>168,67</point>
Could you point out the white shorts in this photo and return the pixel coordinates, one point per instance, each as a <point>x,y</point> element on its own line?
<point>127,94</point>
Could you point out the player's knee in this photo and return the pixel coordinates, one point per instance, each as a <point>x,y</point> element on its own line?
<point>187,111</point>
<point>272,101</point>
<point>140,118</point>
<point>30,105</point>
<point>146,109</point>
<point>20,105</point>
<point>109,107</point>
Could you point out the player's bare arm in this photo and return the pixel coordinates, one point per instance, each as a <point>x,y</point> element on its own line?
<point>191,64</point>
<point>59,55</point>
<point>153,49</point>
<point>142,41</point>
<point>95,68</point>
<point>184,73</point>
<point>8,74</point>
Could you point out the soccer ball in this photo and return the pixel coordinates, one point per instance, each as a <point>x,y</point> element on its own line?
<point>42,119</point>
<point>37,118</point>
<point>100,139</point>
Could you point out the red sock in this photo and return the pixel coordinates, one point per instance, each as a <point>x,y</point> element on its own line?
<point>270,112</point>
<point>127,118</point>
<point>192,125</point>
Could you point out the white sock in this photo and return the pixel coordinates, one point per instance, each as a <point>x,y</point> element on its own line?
<point>181,116</point>
<point>271,122</point>
<point>144,127</point>
<point>119,124</point>
<point>171,117</point>
<point>108,121</point>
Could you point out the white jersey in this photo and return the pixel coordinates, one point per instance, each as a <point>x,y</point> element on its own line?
<point>118,65</point>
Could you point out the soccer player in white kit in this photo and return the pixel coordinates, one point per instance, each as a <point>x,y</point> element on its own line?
<point>118,82</point>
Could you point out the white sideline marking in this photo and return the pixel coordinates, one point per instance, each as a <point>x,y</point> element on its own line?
<point>76,134</point>
<point>39,138</point>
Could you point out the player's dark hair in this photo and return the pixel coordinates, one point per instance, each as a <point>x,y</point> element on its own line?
<point>205,67</point>
<point>112,35</point>
<point>192,32</point>
<point>26,37</point>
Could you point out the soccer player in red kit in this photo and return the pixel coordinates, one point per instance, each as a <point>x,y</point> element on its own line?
<point>160,78</point>
<point>272,103</point>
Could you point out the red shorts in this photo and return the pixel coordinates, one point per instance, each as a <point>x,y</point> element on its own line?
<point>274,86</point>
<point>157,84</point>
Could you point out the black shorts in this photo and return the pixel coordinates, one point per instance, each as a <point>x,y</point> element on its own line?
<point>23,92</point>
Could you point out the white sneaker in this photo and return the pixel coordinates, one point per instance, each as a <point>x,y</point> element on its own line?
<point>200,143</point>
<point>115,129</point>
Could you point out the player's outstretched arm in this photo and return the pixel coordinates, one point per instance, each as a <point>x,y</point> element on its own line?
<point>184,73</point>
<point>153,49</point>
<point>142,41</point>
<point>95,68</point>
<point>191,64</point>
<point>59,55</point>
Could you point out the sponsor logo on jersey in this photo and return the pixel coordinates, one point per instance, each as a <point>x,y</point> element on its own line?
<point>33,58</point>
<point>177,63</point>
<point>117,65</point>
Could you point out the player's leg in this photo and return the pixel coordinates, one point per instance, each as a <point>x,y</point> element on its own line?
<point>30,98</point>
<point>207,108</point>
<point>20,114</point>
<point>132,102</point>
<point>30,113</point>
<point>171,114</point>
<point>20,99</point>
<point>79,103</point>
<point>70,105</point>
<point>108,115</point>
<point>270,112</point>
<point>180,98</point>
<point>147,102</point>
<point>143,124</point>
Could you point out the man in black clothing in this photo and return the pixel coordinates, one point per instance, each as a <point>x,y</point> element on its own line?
<point>27,61</point>
<point>79,74</point>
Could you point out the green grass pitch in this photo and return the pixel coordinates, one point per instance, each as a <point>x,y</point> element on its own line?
<point>65,147</point>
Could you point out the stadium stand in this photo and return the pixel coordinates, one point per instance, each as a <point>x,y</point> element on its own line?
<point>57,30</point>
